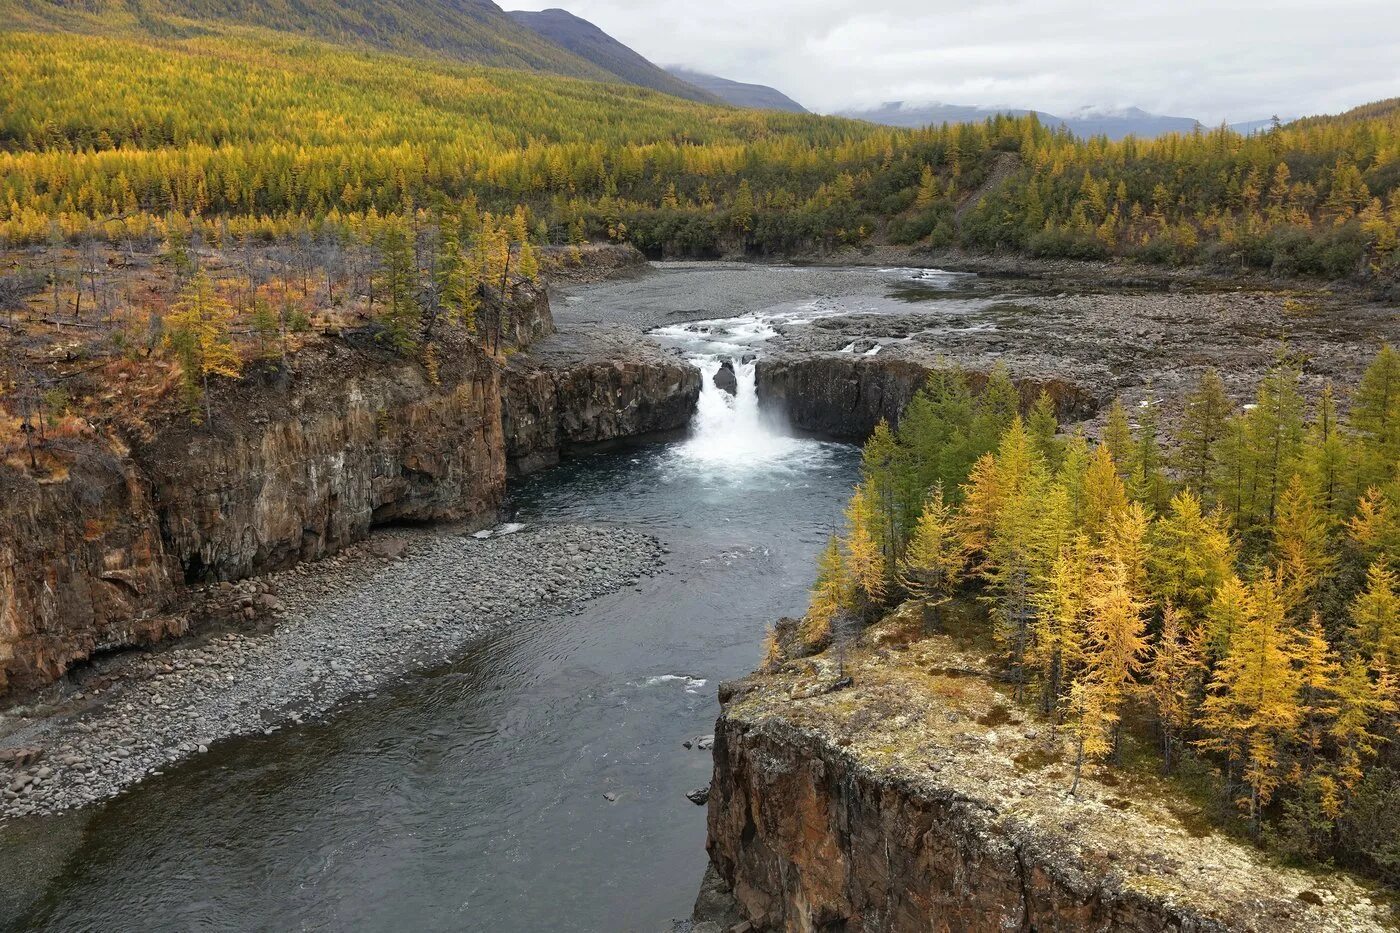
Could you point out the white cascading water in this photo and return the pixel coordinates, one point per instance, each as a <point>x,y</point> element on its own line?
<point>731,430</point>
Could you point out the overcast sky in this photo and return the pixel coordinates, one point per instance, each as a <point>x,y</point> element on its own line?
<point>1230,59</point>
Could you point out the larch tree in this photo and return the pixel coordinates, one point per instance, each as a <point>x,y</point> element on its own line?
<point>1057,637</point>
<point>933,562</point>
<point>401,313</point>
<point>1174,682</point>
<point>1118,438</point>
<point>1202,425</point>
<point>1302,543</point>
<point>831,595</point>
<point>865,561</point>
<point>199,333</point>
<point>1375,417</point>
<point>1253,707</point>
<point>1104,493</point>
<point>1115,639</point>
<point>1327,457</point>
<point>1191,554</point>
<point>1375,617</point>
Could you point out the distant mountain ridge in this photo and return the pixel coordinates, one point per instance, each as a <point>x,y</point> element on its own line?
<point>738,93</point>
<point>587,41</point>
<point>476,31</point>
<point>1115,124</point>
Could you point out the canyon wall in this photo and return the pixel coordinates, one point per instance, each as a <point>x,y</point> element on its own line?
<point>810,840</point>
<point>843,395</point>
<point>301,458</point>
<point>580,389</point>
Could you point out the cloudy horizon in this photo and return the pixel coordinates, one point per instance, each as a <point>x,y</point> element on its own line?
<point>1232,61</point>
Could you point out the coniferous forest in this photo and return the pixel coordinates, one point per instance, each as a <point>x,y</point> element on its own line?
<point>268,135</point>
<point>1225,591</point>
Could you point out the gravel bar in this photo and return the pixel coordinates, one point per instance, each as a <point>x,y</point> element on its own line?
<point>346,625</point>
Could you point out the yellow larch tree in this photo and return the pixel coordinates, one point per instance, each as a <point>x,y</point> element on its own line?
<point>1191,554</point>
<point>1375,617</point>
<point>199,333</point>
<point>831,595</point>
<point>1174,681</point>
<point>1057,636</point>
<point>865,561</point>
<point>934,558</point>
<point>1253,705</point>
<point>1302,543</point>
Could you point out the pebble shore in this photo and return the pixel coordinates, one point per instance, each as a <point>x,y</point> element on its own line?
<point>344,627</point>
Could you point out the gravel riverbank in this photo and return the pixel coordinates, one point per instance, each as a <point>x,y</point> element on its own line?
<point>344,627</point>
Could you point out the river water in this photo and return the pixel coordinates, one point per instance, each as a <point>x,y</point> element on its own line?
<point>538,783</point>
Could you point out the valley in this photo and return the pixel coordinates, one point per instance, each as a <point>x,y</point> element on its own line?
<point>457,473</point>
<point>580,697</point>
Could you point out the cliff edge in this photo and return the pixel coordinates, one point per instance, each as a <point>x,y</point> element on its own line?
<point>902,790</point>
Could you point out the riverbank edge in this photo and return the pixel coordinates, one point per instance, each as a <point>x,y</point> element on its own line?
<point>303,655</point>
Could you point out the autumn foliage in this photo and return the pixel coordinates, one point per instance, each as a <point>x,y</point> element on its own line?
<point>1231,596</point>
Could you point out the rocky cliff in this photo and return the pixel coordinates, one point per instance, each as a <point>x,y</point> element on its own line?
<point>844,395</point>
<point>916,797</point>
<point>301,458</point>
<point>587,387</point>
<point>348,435</point>
<point>83,567</point>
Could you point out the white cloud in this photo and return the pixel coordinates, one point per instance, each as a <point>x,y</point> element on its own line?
<point>1232,59</point>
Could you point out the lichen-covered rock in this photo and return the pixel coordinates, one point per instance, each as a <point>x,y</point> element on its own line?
<point>919,799</point>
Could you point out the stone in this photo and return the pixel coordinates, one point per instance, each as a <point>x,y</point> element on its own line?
<point>699,795</point>
<point>388,548</point>
<point>610,796</point>
<point>724,378</point>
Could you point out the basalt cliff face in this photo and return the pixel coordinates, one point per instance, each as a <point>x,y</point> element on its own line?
<point>900,790</point>
<point>301,458</point>
<point>579,389</point>
<point>845,395</point>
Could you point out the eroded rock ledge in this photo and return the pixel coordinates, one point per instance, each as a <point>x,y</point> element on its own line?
<point>302,458</point>
<point>589,386</point>
<point>845,396</point>
<point>920,799</point>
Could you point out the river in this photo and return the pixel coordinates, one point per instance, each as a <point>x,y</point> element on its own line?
<point>537,783</point>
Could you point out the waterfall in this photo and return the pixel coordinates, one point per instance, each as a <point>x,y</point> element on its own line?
<point>732,430</point>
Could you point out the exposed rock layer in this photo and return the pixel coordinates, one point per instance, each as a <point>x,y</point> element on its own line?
<point>901,790</point>
<point>584,388</point>
<point>844,396</point>
<point>300,460</point>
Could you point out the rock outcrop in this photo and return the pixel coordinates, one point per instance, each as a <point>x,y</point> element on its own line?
<point>844,395</point>
<point>347,436</point>
<point>584,388</point>
<point>904,792</point>
<point>83,568</point>
<point>300,459</point>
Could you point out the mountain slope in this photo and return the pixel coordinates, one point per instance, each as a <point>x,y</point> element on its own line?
<point>757,96</point>
<point>590,43</point>
<point>474,31</point>
<point>1084,123</point>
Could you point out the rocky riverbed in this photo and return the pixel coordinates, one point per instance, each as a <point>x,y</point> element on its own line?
<point>341,627</point>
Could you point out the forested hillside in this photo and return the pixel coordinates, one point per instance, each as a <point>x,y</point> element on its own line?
<point>467,30</point>
<point>270,133</point>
